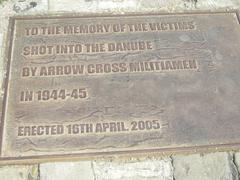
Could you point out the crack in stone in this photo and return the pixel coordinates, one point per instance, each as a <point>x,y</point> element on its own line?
<point>173,175</point>
<point>94,173</point>
<point>235,167</point>
<point>38,176</point>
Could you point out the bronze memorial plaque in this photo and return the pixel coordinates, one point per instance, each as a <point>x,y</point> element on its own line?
<point>88,86</point>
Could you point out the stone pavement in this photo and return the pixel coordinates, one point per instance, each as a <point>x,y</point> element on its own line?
<point>211,166</point>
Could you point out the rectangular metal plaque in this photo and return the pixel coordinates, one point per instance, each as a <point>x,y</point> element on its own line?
<point>82,86</point>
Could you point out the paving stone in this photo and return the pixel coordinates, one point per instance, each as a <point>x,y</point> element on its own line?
<point>116,6</point>
<point>237,162</point>
<point>11,8</point>
<point>1,54</point>
<point>66,171</point>
<point>216,4</point>
<point>19,172</point>
<point>151,169</point>
<point>89,5</point>
<point>214,166</point>
<point>20,7</point>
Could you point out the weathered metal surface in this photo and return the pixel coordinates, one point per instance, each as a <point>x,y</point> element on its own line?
<point>81,86</point>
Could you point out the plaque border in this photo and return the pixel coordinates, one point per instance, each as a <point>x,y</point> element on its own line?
<point>232,146</point>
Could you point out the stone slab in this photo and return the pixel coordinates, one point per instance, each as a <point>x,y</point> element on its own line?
<point>13,8</point>
<point>27,172</point>
<point>68,170</point>
<point>120,84</point>
<point>205,167</point>
<point>236,160</point>
<point>149,168</point>
<point>123,6</point>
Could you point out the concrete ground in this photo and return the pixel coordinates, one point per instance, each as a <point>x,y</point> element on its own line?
<point>211,166</point>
